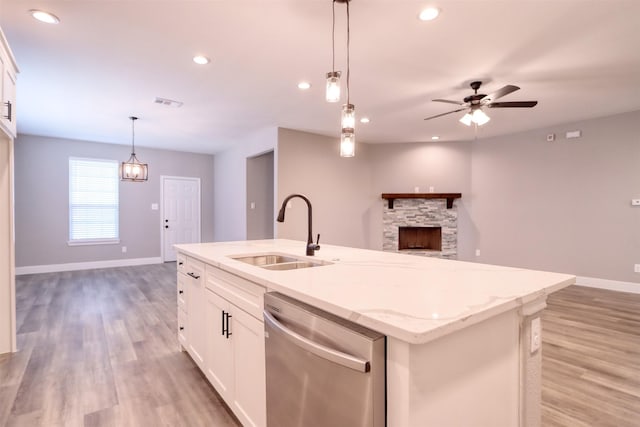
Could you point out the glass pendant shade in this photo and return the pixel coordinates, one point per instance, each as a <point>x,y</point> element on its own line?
<point>333,86</point>
<point>479,117</point>
<point>348,116</point>
<point>347,143</point>
<point>466,119</point>
<point>133,169</point>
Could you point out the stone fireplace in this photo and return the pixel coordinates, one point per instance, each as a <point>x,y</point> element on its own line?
<point>421,224</point>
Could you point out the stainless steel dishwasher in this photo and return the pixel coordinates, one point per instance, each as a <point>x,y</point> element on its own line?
<point>322,370</point>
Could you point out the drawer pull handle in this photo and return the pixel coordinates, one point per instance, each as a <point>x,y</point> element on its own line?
<point>8,116</point>
<point>180,263</point>
<point>181,292</point>
<point>182,328</point>
<point>194,275</point>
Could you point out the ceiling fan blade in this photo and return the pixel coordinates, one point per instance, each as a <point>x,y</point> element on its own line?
<point>444,114</point>
<point>517,104</point>
<point>500,93</point>
<point>447,101</point>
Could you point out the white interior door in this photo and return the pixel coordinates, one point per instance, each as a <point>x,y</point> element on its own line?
<point>180,213</point>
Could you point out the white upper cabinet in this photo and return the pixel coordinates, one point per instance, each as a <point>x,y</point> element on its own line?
<point>9,71</point>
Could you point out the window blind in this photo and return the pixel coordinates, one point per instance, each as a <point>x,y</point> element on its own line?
<point>93,201</point>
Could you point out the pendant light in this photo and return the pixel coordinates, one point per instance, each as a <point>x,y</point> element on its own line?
<point>333,77</point>
<point>132,169</point>
<point>348,121</point>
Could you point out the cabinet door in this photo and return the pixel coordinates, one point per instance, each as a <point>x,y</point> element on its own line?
<point>9,99</point>
<point>182,290</point>
<point>249,402</point>
<point>195,320</point>
<point>219,362</point>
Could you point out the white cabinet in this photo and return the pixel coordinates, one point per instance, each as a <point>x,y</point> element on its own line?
<point>195,311</point>
<point>7,89</point>
<point>8,71</point>
<point>219,365</point>
<point>190,292</point>
<point>235,336</point>
<point>220,325</point>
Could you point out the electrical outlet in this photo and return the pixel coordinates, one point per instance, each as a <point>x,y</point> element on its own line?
<point>636,268</point>
<point>536,335</point>
<point>477,252</point>
<point>124,249</point>
<point>252,205</point>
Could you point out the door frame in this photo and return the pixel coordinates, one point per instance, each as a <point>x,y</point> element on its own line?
<point>163,178</point>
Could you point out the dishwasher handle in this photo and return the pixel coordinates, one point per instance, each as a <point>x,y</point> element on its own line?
<point>319,350</point>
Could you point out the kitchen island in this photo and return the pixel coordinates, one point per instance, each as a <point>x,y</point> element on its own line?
<point>461,350</point>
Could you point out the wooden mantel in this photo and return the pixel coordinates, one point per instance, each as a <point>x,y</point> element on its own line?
<point>390,197</point>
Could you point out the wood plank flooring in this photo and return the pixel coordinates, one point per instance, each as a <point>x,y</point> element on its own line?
<point>591,359</point>
<point>99,348</point>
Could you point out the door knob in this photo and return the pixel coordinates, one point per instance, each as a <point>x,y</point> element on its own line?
<point>166,220</point>
<point>166,226</point>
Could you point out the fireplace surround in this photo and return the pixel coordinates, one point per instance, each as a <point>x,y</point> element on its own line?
<point>421,224</point>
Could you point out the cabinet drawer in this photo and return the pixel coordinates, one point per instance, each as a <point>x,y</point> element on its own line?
<point>182,290</point>
<point>246,295</point>
<point>182,327</point>
<point>182,263</point>
<point>195,268</point>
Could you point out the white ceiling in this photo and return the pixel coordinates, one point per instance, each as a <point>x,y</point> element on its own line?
<point>107,60</point>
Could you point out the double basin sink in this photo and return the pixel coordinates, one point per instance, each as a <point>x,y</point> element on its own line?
<point>270,261</point>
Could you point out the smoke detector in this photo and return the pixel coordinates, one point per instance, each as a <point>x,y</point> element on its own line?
<point>168,102</point>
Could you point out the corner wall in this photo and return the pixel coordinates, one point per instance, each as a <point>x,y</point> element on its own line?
<point>230,184</point>
<point>42,200</point>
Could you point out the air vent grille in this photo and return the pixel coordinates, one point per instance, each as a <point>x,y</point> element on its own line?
<point>168,102</point>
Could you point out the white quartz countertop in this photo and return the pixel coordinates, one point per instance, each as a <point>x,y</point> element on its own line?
<point>412,298</point>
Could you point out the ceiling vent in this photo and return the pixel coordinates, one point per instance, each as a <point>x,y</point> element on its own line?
<point>168,102</point>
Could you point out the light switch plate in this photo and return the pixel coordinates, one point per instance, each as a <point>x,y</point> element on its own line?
<point>635,202</point>
<point>536,335</point>
<point>154,206</point>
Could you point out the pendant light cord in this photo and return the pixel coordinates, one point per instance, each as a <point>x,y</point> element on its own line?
<point>333,38</point>
<point>133,136</point>
<point>348,42</point>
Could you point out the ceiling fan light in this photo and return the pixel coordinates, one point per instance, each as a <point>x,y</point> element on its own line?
<point>466,119</point>
<point>333,86</point>
<point>347,143</point>
<point>479,117</point>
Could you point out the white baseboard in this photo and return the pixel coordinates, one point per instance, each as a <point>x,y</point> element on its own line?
<point>52,268</point>
<point>612,285</point>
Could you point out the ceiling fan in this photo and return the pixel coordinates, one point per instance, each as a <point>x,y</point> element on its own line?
<point>474,103</point>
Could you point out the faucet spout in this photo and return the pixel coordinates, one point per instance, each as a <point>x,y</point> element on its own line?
<point>311,247</point>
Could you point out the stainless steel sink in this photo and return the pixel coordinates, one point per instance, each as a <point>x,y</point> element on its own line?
<point>278,261</point>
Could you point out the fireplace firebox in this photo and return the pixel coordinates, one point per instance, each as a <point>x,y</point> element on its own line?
<point>420,238</point>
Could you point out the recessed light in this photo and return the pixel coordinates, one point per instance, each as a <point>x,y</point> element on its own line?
<point>365,120</point>
<point>304,85</point>
<point>435,137</point>
<point>429,14</point>
<point>46,17</point>
<point>201,60</point>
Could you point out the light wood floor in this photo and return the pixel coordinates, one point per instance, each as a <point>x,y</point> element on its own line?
<point>99,348</point>
<point>591,359</point>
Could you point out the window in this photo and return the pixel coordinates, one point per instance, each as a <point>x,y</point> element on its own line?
<point>93,201</point>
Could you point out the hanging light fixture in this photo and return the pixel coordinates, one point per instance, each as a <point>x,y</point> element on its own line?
<point>333,77</point>
<point>132,169</point>
<point>348,121</point>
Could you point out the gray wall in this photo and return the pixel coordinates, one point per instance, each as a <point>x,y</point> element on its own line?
<point>260,189</point>
<point>445,166</point>
<point>565,205</point>
<point>230,183</point>
<point>339,189</point>
<point>42,198</point>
